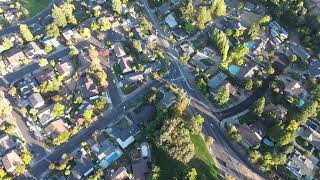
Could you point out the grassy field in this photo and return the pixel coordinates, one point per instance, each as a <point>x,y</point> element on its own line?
<point>202,161</point>
<point>35,6</point>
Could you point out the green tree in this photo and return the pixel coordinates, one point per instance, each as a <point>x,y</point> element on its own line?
<point>221,41</point>
<point>253,30</point>
<point>218,8</point>
<point>265,20</point>
<point>185,58</point>
<point>26,156</point>
<point>254,156</point>
<point>259,106</point>
<point>191,174</point>
<point>145,25</point>
<point>156,173</point>
<point>59,16</point>
<point>88,114</point>
<point>175,140</point>
<point>248,86</point>
<point>43,62</point>
<point>26,34</point>
<point>204,16</point>
<point>187,12</point>
<point>137,45</point>
<point>293,58</point>
<point>209,140</point>
<point>270,70</point>
<point>105,24</point>
<point>20,169</point>
<point>58,110</point>
<point>6,43</point>
<point>223,96</point>
<point>3,173</point>
<point>53,30</point>
<point>117,6</point>
<point>62,138</point>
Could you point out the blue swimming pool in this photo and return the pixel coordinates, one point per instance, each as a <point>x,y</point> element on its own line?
<point>301,103</point>
<point>250,44</point>
<point>233,69</point>
<point>112,158</point>
<point>268,142</point>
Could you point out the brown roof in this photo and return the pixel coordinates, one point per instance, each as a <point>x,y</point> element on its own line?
<point>11,161</point>
<point>55,128</point>
<point>120,174</point>
<point>15,57</point>
<point>248,135</point>
<point>125,63</point>
<point>64,68</point>
<point>139,169</point>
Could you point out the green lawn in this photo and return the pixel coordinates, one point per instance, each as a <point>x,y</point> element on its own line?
<point>203,162</point>
<point>35,6</point>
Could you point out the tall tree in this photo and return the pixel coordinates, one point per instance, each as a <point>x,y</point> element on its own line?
<point>218,8</point>
<point>204,16</point>
<point>53,30</point>
<point>223,96</point>
<point>222,43</point>
<point>175,140</point>
<point>7,43</point>
<point>259,106</point>
<point>117,6</point>
<point>59,16</point>
<point>187,12</point>
<point>26,34</point>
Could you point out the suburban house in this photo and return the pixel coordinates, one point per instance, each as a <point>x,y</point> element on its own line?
<point>277,31</point>
<point>89,88</point>
<point>32,50</point>
<point>300,166</point>
<point>55,128</point>
<point>247,71</point>
<point>299,51</point>
<point>83,166</point>
<point>124,135</point>
<point>120,174</point>
<point>14,58</point>
<point>105,151</point>
<point>125,64</point>
<point>6,143</point>
<point>140,169</point>
<point>187,48</point>
<point>11,160</point>
<point>168,99</point>
<point>251,135</point>
<point>314,68</point>
<point>171,21</point>
<point>52,41</point>
<point>25,87</point>
<point>310,135</point>
<point>132,79</point>
<point>45,115</point>
<point>64,69</point>
<point>152,67</point>
<point>249,6</point>
<point>179,33</point>
<point>36,100</point>
<point>294,88</point>
<point>278,110</point>
<point>44,74</point>
<point>217,81</point>
<point>71,34</point>
<point>118,49</point>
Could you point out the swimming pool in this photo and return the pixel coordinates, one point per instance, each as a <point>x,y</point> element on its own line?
<point>112,158</point>
<point>233,69</point>
<point>268,142</point>
<point>301,103</point>
<point>250,44</point>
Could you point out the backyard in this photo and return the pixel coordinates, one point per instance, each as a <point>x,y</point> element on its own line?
<point>35,6</point>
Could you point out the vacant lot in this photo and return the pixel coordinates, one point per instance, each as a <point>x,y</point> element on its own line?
<point>35,6</point>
